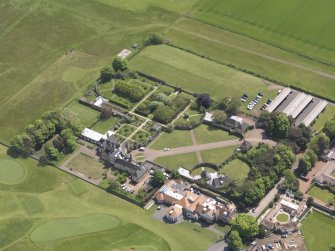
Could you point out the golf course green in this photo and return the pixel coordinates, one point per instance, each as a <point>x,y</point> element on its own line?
<point>11,171</point>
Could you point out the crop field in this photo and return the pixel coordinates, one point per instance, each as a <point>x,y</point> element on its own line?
<point>230,48</point>
<point>318,231</point>
<point>304,26</point>
<point>40,215</point>
<point>196,74</point>
<point>39,73</point>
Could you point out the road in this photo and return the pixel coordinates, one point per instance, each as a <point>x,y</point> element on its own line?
<point>265,201</point>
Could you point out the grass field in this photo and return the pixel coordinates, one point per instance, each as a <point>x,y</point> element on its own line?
<point>217,155</point>
<point>321,194</point>
<point>86,165</point>
<point>191,72</point>
<point>199,170</point>
<point>103,126</point>
<point>324,117</point>
<point>186,160</point>
<point>54,230</point>
<point>37,75</point>
<point>236,170</point>
<point>318,231</point>
<point>177,138</point>
<point>86,115</point>
<point>207,134</point>
<point>230,48</point>
<point>274,23</point>
<point>43,212</point>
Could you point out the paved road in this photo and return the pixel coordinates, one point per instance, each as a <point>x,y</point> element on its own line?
<point>265,201</point>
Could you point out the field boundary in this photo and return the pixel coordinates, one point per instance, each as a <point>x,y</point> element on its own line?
<point>267,43</point>
<point>255,74</point>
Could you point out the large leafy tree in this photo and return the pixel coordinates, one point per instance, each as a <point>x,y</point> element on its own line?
<point>319,143</point>
<point>234,240</point>
<point>204,100</point>
<point>329,128</point>
<point>282,125</point>
<point>158,178</point>
<point>245,225</point>
<point>106,74</point>
<point>119,64</point>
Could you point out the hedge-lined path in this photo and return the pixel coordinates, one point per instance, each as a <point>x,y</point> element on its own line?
<point>145,98</point>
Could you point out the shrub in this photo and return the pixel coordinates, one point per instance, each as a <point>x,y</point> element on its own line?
<point>164,114</point>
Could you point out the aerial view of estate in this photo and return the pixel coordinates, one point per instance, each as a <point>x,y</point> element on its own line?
<point>167,125</point>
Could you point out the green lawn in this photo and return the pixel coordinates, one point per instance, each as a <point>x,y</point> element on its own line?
<point>86,115</point>
<point>282,217</point>
<point>230,48</point>
<point>321,194</point>
<point>86,165</point>
<point>43,212</point>
<point>324,117</point>
<point>236,170</point>
<point>207,134</point>
<point>103,126</point>
<point>177,138</point>
<point>273,22</point>
<point>217,155</point>
<point>186,160</point>
<point>195,73</point>
<point>318,231</point>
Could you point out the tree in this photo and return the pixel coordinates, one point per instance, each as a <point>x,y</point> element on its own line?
<point>204,100</point>
<point>234,241</point>
<point>285,155</point>
<point>254,192</point>
<point>158,178</point>
<point>51,152</point>
<point>219,117</point>
<point>153,39</point>
<point>332,247</point>
<point>164,114</point>
<point>319,143</point>
<point>312,157</point>
<point>106,112</point>
<point>329,128</point>
<point>154,104</point>
<point>119,64</point>
<point>290,182</point>
<point>245,225</point>
<point>282,125</point>
<point>304,164</point>
<point>106,74</point>
<point>17,144</point>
